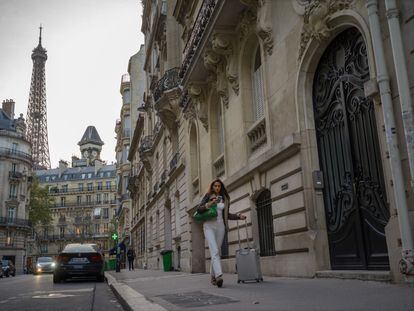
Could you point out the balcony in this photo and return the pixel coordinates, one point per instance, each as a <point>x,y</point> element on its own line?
<point>15,176</point>
<point>203,21</point>
<point>163,177</point>
<point>83,204</point>
<point>57,191</point>
<point>257,135</point>
<point>15,154</point>
<point>174,162</point>
<point>15,222</point>
<point>125,197</point>
<point>219,168</point>
<point>166,97</point>
<point>145,151</point>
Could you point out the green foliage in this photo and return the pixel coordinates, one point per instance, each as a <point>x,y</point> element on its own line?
<point>39,206</point>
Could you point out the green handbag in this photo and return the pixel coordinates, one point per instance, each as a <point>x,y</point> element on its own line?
<point>208,214</point>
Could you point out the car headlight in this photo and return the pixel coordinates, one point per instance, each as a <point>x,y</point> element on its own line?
<point>53,264</point>
<point>38,265</point>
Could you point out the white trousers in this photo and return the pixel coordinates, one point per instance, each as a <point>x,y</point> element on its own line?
<point>214,234</point>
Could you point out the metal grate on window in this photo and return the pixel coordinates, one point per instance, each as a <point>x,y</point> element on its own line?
<point>265,221</point>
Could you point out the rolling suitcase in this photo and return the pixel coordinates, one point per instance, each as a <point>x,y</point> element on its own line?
<point>247,261</point>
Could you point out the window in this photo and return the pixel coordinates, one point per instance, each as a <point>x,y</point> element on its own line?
<point>15,167</point>
<point>65,177</point>
<point>98,198</point>
<point>90,186</point>
<point>100,185</point>
<point>265,221</point>
<point>88,199</point>
<point>177,214</point>
<point>97,213</point>
<point>106,213</point>
<point>15,147</point>
<point>43,248</point>
<point>89,175</point>
<point>106,197</point>
<point>9,238</point>
<point>11,214</point>
<point>194,160</point>
<point>257,87</point>
<point>108,185</point>
<point>83,176</point>
<point>65,188</point>
<point>97,228</point>
<point>13,191</point>
<point>62,232</point>
<point>80,187</point>
<point>105,228</point>
<point>62,201</point>
<point>79,199</point>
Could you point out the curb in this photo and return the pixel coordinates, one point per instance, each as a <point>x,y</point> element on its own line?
<point>130,299</point>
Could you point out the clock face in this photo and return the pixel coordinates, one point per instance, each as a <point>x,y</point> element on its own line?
<point>94,153</point>
<point>85,153</point>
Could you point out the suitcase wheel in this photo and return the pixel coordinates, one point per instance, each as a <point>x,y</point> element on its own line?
<point>238,281</point>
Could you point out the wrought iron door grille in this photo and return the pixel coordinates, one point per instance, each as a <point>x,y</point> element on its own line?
<point>265,221</point>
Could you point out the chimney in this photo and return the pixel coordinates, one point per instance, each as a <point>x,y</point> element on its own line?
<point>8,107</point>
<point>63,165</point>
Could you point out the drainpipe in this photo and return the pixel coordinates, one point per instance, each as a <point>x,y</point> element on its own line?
<point>407,261</point>
<point>402,80</point>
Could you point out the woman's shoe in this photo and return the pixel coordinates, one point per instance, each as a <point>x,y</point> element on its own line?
<point>213,281</point>
<point>219,281</point>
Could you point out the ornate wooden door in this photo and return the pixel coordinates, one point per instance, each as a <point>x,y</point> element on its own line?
<point>354,194</point>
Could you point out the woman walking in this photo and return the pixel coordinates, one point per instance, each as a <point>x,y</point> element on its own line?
<point>214,229</point>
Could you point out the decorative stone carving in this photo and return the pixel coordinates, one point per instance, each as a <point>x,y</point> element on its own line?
<point>198,98</point>
<point>264,26</point>
<point>247,19</point>
<point>316,20</point>
<point>225,45</point>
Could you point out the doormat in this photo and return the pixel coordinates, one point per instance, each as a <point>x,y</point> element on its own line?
<point>196,299</point>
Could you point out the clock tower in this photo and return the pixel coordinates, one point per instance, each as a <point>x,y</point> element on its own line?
<point>91,145</point>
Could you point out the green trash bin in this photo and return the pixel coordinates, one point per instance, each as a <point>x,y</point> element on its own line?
<point>167,260</point>
<point>111,264</point>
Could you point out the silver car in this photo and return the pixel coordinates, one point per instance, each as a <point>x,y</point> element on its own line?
<point>45,265</point>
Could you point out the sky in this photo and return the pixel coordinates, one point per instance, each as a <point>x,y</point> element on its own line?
<point>88,43</point>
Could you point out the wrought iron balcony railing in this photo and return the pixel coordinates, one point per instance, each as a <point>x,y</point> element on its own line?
<point>83,204</point>
<point>18,222</point>
<point>169,81</point>
<point>200,25</point>
<point>84,189</point>
<point>146,144</point>
<point>15,175</point>
<point>15,153</point>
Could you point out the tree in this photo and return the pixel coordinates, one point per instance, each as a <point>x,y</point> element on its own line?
<point>39,206</point>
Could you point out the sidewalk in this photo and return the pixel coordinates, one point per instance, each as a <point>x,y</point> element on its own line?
<point>158,290</point>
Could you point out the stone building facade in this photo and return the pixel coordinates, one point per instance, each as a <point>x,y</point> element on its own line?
<point>15,178</point>
<point>84,200</point>
<point>295,106</point>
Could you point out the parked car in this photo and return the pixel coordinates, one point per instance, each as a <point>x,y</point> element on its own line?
<point>1,273</point>
<point>44,265</point>
<point>79,260</point>
<point>8,268</point>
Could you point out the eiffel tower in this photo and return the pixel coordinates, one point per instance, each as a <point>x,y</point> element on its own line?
<point>36,111</point>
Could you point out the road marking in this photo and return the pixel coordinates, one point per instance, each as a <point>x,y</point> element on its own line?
<point>54,296</point>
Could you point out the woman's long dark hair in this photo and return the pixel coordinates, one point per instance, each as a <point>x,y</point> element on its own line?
<point>223,190</point>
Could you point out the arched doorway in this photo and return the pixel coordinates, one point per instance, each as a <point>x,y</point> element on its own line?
<point>354,194</point>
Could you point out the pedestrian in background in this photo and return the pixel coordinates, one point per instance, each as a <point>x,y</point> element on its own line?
<point>214,229</point>
<point>131,257</point>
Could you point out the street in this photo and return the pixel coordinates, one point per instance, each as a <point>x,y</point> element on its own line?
<point>29,292</point>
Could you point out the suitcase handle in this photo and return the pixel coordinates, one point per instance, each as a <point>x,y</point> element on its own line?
<point>247,234</point>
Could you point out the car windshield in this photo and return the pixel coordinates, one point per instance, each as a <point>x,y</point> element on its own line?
<point>4,263</point>
<point>45,259</point>
<point>79,248</point>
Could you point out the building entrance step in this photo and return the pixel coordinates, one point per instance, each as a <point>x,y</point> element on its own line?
<point>364,275</point>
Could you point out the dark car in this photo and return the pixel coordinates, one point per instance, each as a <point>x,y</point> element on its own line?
<point>44,265</point>
<point>8,268</point>
<point>79,260</point>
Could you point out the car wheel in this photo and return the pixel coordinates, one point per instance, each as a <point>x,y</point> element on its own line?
<point>14,274</point>
<point>56,278</point>
<point>7,274</point>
